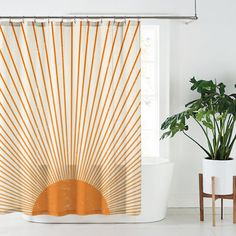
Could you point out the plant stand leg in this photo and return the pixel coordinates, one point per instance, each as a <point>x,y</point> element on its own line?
<point>234,199</point>
<point>222,209</point>
<point>213,201</point>
<point>201,198</point>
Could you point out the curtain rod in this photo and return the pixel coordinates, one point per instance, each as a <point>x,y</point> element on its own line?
<point>103,17</point>
<point>117,16</point>
<point>93,16</point>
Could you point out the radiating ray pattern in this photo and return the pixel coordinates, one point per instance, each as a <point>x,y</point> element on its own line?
<point>70,129</point>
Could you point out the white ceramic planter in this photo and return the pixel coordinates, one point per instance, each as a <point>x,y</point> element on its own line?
<point>223,172</point>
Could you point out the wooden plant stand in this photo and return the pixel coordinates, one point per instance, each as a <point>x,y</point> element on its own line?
<point>214,197</point>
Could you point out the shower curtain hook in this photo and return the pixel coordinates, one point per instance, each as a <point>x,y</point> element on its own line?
<point>125,20</point>
<point>48,20</point>
<point>101,19</point>
<point>10,20</point>
<point>23,19</point>
<point>75,20</point>
<point>138,18</point>
<point>87,20</point>
<point>114,20</point>
<point>35,19</point>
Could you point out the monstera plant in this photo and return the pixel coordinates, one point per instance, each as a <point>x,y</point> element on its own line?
<point>214,112</point>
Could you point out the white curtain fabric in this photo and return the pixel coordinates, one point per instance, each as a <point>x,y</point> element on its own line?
<point>70,117</point>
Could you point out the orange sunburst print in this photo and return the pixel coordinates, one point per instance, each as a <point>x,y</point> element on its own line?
<point>70,138</point>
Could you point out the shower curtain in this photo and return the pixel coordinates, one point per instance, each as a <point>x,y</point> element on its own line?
<point>70,117</point>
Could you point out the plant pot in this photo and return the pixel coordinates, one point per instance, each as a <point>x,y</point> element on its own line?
<point>223,171</point>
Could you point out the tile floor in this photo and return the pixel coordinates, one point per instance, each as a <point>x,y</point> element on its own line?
<point>179,222</point>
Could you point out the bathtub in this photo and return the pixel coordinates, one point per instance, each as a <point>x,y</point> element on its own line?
<point>156,179</point>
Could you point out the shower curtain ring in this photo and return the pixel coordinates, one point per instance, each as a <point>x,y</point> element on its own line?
<point>23,19</point>
<point>35,19</point>
<point>10,20</point>
<point>125,20</point>
<point>101,20</point>
<point>75,20</point>
<point>87,20</point>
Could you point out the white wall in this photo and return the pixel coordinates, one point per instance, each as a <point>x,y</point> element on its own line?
<point>206,49</point>
<point>58,7</point>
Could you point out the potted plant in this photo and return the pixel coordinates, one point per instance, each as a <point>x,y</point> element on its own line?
<point>214,112</point>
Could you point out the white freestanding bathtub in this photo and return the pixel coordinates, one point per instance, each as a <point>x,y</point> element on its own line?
<point>156,179</point>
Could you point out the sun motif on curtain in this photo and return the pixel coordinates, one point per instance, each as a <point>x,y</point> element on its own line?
<point>70,118</point>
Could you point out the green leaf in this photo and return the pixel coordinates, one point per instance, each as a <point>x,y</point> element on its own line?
<point>215,113</point>
<point>221,88</point>
<point>207,124</point>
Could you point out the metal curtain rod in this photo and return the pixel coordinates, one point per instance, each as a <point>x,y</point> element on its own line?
<point>91,16</point>
<point>104,17</point>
